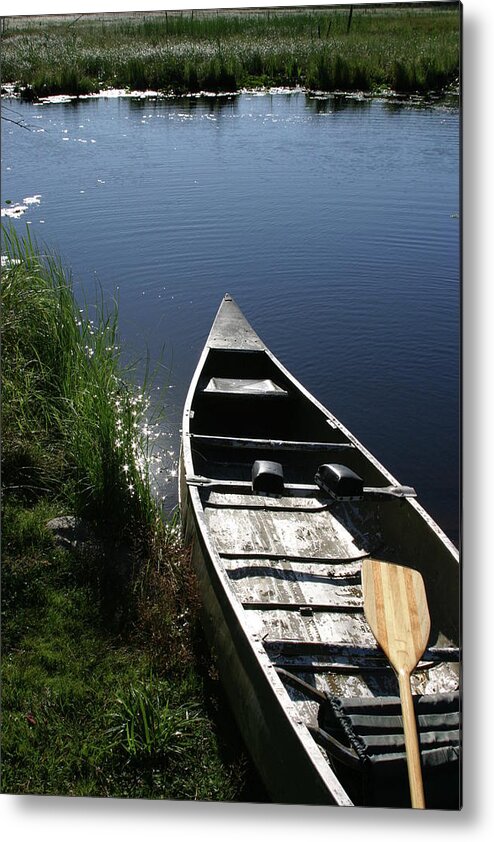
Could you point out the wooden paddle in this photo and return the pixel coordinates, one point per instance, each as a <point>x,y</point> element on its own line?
<point>396,609</point>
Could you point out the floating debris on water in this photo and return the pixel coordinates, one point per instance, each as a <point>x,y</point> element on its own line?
<point>15,211</point>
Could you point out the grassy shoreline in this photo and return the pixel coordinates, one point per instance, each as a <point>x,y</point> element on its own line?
<point>408,50</point>
<point>107,687</point>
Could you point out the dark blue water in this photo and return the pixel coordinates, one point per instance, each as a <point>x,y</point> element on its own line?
<point>333,223</point>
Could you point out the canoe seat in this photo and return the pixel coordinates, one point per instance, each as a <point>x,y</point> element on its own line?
<point>239,386</point>
<point>372,730</point>
<point>268,477</point>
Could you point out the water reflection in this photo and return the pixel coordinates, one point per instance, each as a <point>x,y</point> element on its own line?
<point>322,103</point>
<point>192,102</point>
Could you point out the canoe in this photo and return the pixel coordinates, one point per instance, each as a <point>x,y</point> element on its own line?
<point>280,504</point>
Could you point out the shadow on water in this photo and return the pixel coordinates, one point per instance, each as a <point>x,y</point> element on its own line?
<point>330,103</point>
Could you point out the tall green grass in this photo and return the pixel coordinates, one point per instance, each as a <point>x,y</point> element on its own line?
<point>415,48</point>
<point>106,686</point>
<point>68,414</point>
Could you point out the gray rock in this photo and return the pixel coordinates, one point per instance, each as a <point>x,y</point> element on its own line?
<point>71,532</point>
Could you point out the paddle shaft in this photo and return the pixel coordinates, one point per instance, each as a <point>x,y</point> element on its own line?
<point>411,742</point>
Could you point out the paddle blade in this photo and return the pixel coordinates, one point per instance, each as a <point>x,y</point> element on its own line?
<point>396,609</point>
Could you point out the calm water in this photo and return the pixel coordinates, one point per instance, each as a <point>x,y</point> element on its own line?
<point>334,224</point>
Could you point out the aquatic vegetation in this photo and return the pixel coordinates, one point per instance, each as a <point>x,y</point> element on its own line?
<point>410,49</point>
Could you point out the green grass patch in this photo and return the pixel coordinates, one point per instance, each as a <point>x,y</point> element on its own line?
<point>85,715</point>
<point>408,49</point>
<point>107,687</point>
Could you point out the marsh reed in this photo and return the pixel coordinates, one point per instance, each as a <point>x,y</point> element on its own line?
<point>412,49</point>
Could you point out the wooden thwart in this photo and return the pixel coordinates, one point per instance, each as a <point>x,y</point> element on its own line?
<point>388,492</point>
<point>270,444</point>
<point>395,606</point>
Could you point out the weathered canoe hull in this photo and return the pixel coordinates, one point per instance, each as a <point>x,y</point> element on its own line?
<point>275,727</point>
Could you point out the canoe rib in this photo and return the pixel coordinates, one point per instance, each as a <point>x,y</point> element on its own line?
<point>342,607</point>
